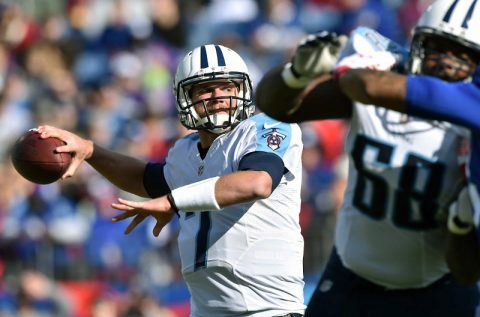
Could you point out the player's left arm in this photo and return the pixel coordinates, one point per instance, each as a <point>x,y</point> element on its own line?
<point>259,173</point>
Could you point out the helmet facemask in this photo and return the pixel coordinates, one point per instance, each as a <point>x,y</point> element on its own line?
<point>428,57</point>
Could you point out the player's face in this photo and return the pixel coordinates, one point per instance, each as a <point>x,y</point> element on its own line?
<point>448,60</point>
<point>215,96</point>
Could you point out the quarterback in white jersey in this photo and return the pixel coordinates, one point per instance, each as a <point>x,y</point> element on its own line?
<point>390,248</point>
<point>234,184</point>
<point>246,258</point>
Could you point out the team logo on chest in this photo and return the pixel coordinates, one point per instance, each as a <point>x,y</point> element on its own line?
<point>274,138</point>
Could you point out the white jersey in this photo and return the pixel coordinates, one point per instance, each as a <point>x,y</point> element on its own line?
<point>391,230</point>
<point>246,259</point>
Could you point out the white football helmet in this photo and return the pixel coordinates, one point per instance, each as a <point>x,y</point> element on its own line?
<point>455,20</point>
<point>212,63</point>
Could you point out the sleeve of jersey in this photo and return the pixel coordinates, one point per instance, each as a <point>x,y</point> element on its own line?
<point>431,98</point>
<point>273,138</point>
<point>154,180</point>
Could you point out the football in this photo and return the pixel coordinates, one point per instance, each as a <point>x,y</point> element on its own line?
<point>36,159</point>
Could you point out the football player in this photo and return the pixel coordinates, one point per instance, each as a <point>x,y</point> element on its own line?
<point>234,184</point>
<point>391,240</point>
<point>432,98</point>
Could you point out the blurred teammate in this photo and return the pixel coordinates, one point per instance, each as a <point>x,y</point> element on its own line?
<point>235,185</point>
<point>391,243</point>
<point>432,98</point>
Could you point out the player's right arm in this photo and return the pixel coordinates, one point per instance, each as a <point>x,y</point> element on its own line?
<point>123,171</point>
<point>304,89</point>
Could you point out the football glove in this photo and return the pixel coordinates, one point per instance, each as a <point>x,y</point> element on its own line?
<point>315,55</point>
<point>460,214</point>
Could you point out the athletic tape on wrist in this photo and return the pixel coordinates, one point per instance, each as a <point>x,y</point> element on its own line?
<point>291,80</point>
<point>199,196</point>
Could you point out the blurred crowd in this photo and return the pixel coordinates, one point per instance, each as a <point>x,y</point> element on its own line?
<point>103,69</point>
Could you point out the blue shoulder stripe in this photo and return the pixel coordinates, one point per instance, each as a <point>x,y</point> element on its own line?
<point>220,57</point>
<point>448,14</point>
<point>469,14</point>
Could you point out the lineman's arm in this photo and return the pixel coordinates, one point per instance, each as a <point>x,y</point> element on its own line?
<point>303,89</point>
<point>422,96</point>
<point>320,99</point>
<point>123,171</point>
<point>382,88</point>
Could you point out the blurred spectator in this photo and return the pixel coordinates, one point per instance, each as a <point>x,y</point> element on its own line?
<point>168,23</point>
<point>342,16</point>
<point>409,12</point>
<point>18,30</point>
<point>219,16</point>
<point>116,35</point>
<point>35,295</point>
<point>322,191</point>
<point>15,117</point>
<point>138,304</point>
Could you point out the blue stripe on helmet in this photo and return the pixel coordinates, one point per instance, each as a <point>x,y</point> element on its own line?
<point>220,57</point>
<point>203,57</point>
<point>469,15</point>
<point>449,13</point>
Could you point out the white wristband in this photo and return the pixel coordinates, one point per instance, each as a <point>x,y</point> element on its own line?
<point>199,196</point>
<point>291,80</point>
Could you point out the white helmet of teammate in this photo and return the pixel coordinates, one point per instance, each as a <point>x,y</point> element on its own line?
<point>456,20</point>
<point>212,63</point>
